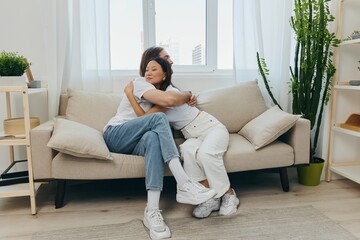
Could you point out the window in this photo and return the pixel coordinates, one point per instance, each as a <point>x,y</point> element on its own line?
<point>182,30</point>
<point>196,33</point>
<point>126,34</point>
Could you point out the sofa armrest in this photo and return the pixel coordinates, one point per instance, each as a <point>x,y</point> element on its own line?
<point>42,155</point>
<point>299,138</point>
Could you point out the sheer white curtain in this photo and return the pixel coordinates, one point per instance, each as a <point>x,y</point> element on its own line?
<point>82,48</point>
<point>84,45</point>
<point>264,26</point>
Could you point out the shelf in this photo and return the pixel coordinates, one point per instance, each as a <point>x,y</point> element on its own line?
<point>346,86</point>
<point>24,191</point>
<point>13,141</point>
<point>17,190</point>
<point>351,172</point>
<point>345,99</point>
<point>6,140</point>
<point>349,42</point>
<point>339,129</point>
<point>14,181</point>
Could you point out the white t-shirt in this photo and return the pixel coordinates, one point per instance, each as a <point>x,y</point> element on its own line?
<point>180,116</point>
<point>125,112</point>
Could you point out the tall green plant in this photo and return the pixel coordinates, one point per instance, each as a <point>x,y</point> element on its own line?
<point>313,69</point>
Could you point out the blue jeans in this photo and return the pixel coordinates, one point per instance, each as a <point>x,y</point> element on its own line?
<point>149,136</point>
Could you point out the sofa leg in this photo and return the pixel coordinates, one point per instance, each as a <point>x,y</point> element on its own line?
<point>60,193</point>
<point>284,179</point>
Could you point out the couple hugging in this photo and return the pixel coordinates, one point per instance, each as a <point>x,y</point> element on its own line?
<point>141,127</point>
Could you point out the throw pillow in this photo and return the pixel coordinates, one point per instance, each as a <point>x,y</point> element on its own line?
<point>268,126</point>
<point>79,140</point>
<point>91,108</point>
<point>220,103</point>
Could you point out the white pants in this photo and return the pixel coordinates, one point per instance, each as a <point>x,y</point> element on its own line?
<point>203,151</point>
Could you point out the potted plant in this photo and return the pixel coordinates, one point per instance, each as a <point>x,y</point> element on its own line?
<point>311,73</point>
<point>12,65</point>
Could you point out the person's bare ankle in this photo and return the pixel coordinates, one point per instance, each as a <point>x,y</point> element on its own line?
<point>205,183</point>
<point>230,191</point>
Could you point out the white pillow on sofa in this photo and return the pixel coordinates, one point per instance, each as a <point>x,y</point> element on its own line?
<point>220,103</point>
<point>268,126</point>
<point>91,108</point>
<point>79,140</point>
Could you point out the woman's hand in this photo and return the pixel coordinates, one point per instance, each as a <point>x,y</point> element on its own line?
<point>192,101</point>
<point>129,88</point>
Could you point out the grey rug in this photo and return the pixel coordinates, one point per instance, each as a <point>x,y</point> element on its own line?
<point>299,223</point>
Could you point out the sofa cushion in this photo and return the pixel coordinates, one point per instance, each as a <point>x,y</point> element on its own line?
<point>122,166</point>
<point>91,108</point>
<point>78,140</point>
<point>268,126</point>
<point>233,106</point>
<point>241,155</point>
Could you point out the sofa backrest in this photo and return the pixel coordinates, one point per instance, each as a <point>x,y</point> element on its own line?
<point>89,108</point>
<point>233,106</point>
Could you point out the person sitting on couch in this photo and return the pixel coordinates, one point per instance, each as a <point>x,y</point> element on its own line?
<point>150,136</point>
<point>207,141</point>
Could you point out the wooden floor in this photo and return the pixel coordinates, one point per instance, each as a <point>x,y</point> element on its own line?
<point>109,202</point>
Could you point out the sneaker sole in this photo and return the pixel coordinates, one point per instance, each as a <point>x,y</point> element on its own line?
<point>157,235</point>
<point>187,200</point>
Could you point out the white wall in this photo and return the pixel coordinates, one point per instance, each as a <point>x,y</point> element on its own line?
<point>28,27</point>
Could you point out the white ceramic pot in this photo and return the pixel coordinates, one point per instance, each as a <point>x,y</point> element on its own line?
<point>12,81</point>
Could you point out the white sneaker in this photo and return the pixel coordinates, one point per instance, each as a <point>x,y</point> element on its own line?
<point>154,221</point>
<point>229,203</point>
<point>206,208</point>
<point>194,193</point>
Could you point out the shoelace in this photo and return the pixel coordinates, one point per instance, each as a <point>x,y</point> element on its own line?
<point>156,217</point>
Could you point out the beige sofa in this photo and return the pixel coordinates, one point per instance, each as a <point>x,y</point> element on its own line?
<point>236,107</point>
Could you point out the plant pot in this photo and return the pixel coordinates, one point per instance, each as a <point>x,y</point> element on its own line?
<point>355,36</point>
<point>12,81</point>
<point>310,175</point>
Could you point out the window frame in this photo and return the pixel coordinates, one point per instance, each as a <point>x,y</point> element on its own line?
<point>211,41</point>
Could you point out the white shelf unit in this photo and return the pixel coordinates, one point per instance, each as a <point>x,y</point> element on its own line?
<point>21,189</point>
<point>344,144</point>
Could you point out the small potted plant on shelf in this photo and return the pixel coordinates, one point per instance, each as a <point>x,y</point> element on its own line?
<point>311,74</point>
<point>12,67</point>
